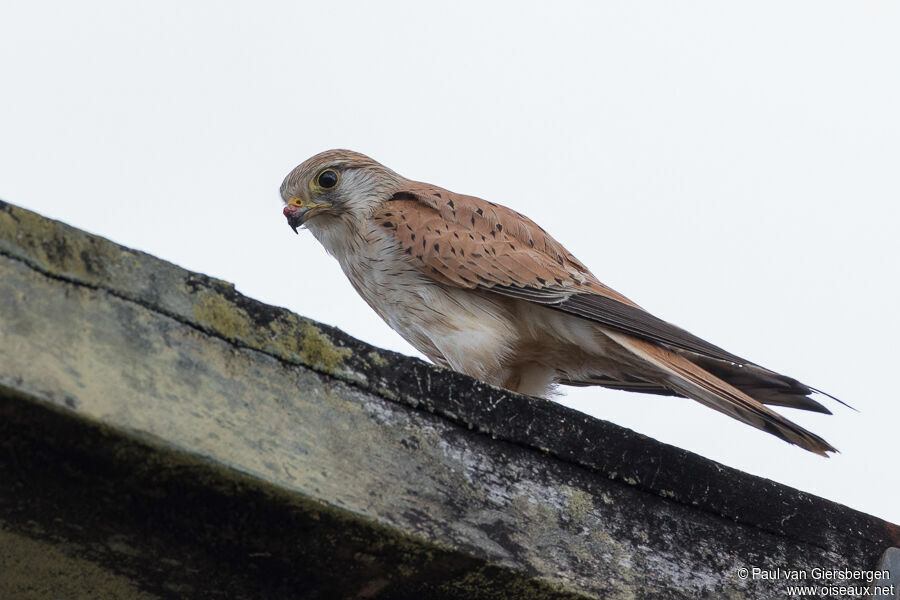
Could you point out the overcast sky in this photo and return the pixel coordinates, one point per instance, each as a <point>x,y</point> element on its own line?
<point>732,167</point>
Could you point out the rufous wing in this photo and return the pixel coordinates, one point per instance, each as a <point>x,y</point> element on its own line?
<point>471,243</point>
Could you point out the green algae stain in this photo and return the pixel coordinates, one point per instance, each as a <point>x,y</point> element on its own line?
<point>317,349</point>
<point>218,313</point>
<point>39,239</point>
<point>24,228</point>
<point>57,249</point>
<point>303,341</point>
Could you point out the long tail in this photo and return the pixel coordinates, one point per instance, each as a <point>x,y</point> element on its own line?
<point>687,378</point>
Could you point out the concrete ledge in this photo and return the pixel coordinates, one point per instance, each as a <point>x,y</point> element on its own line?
<point>162,434</point>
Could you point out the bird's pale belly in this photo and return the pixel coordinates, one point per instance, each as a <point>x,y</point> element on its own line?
<point>480,334</point>
<point>500,340</point>
<point>453,328</point>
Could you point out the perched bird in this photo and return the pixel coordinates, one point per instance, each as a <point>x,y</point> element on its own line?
<point>482,289</point>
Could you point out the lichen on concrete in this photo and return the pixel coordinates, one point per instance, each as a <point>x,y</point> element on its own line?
<point>318,351</point>
<point>221,316</point>
<point>376,359</point>
<point>580,502</point>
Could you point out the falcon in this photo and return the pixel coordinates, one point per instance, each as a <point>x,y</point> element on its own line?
<point>481,289</point>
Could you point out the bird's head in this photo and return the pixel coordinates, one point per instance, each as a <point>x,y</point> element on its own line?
<point>334,186</point>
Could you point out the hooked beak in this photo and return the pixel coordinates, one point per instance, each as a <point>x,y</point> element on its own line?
<point>298,211</point>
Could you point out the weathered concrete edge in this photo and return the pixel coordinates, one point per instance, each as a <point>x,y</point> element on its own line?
<point>215,307</point>
<point>400,559</point>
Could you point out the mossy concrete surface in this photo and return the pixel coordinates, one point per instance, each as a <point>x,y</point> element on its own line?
<point>163,436</point>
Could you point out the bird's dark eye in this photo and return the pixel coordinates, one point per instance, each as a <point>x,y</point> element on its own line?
<point>327,179</point>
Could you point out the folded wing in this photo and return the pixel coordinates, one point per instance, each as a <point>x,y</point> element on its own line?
<point>470,243</point>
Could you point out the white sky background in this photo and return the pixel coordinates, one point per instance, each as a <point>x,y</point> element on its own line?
<point>734,168</point>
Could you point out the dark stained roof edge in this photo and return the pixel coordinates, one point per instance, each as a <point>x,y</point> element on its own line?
<point>618,453</point>
<point>612,451</point>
